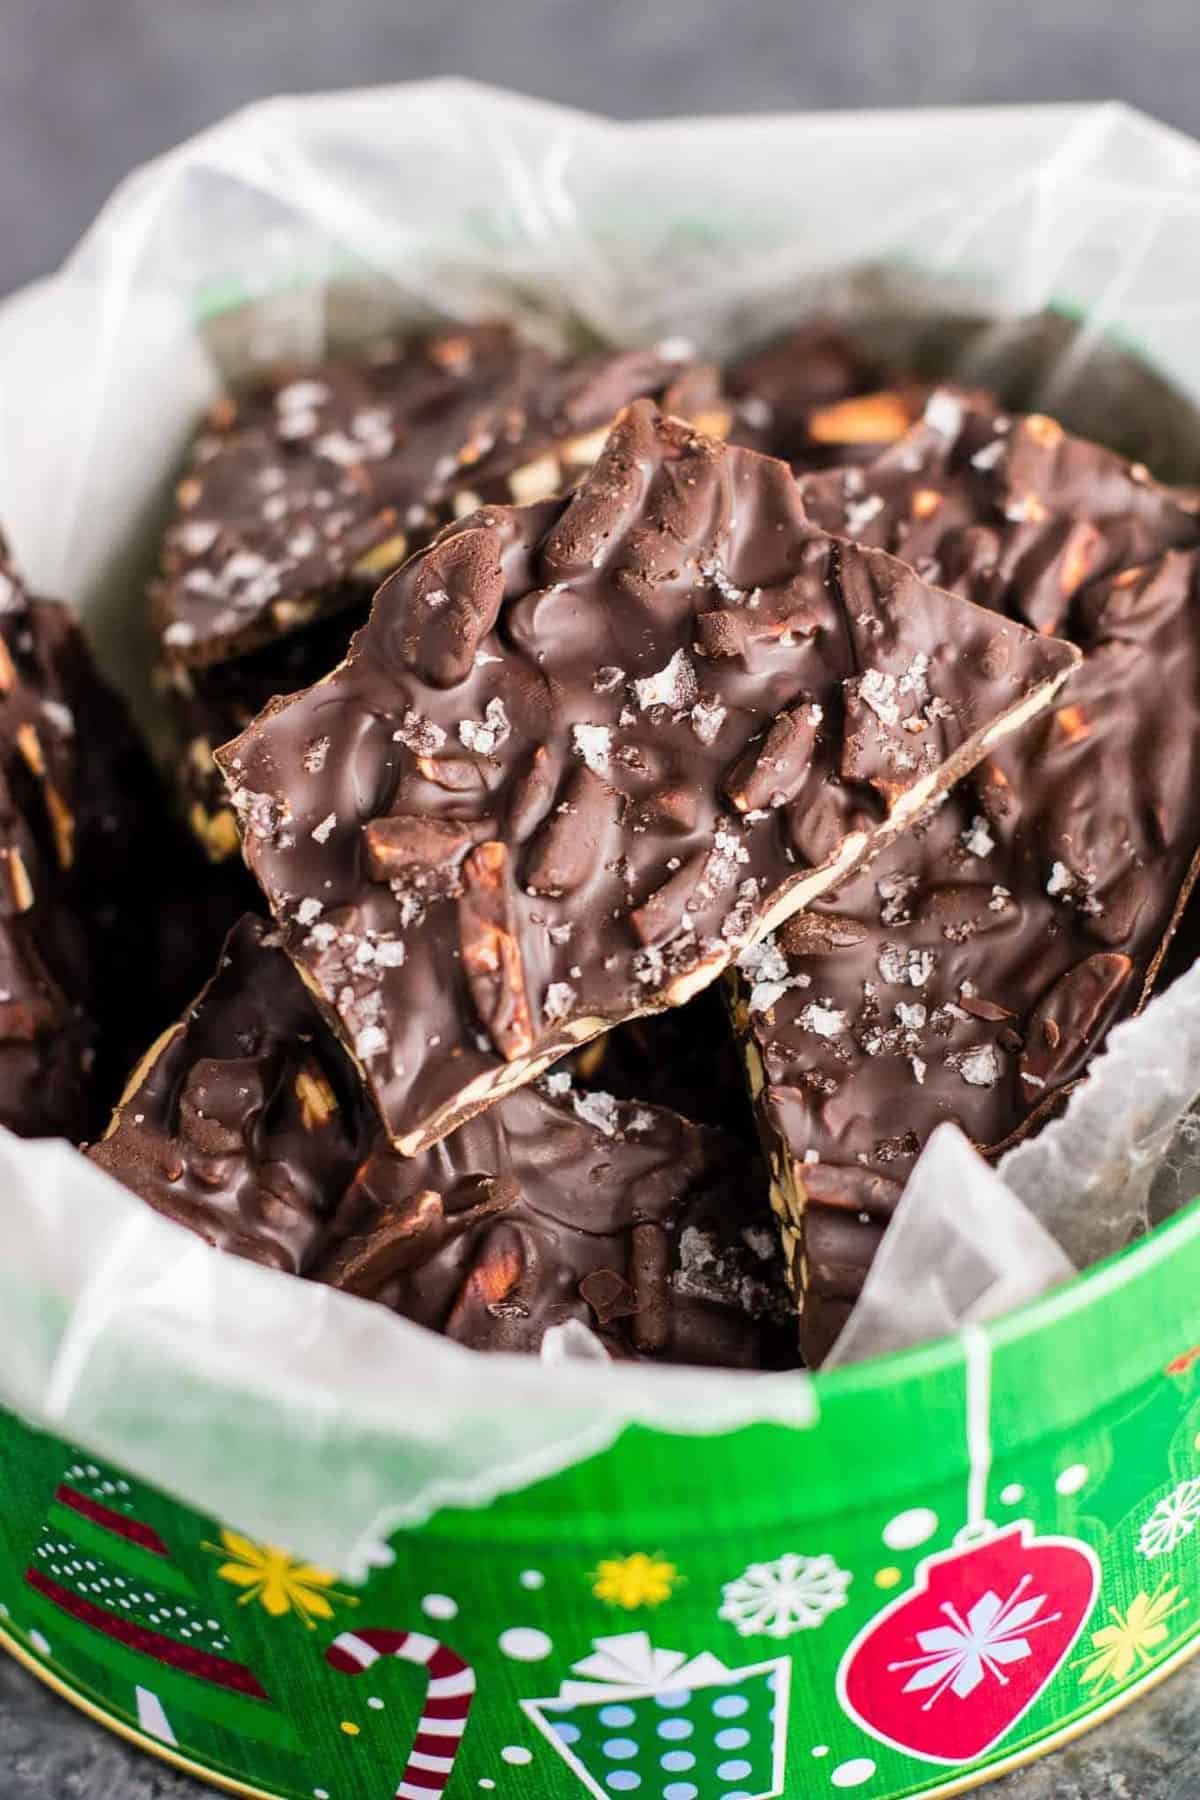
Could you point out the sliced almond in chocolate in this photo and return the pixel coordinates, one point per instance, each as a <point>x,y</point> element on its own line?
<point>491,955</point>
<point>575,835</point>
<point>1121,907</point>
<point>846,1188</point>
<point>773,771</point>
<point>498,1270</point>
<point>20,888</point>
<point>877,418</point>
<point>62,825</point>
<point>318,1102</point>
<point>961,910</point>
<point>820,934</point>
<point>661,915</point>
<point>532,795</point>
<point>1068,1018</point>
<point>455,601</point>
<point>670,809</point>
<point>204,1099</point>
<point>407,844</point>
<point>1053,570</point>
<point>823,819</point>
<point>792,612</point>
<point>979,1008</point>
<point>456,774</point>
<point>366,1264</point>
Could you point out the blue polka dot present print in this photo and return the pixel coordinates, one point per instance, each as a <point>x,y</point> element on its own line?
<point>639,1720</point>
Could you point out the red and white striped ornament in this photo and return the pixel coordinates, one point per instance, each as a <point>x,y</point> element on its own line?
<point>447,1703</point>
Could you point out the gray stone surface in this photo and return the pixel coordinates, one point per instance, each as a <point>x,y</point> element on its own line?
<point>88,88</point>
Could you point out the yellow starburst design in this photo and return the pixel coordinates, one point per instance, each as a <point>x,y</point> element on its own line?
<point>1127,1645</point>
<point>276,1580</point>
<point>637,1580</point>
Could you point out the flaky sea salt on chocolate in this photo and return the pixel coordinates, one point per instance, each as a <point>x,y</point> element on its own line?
<point>982,961</point>
<point>243,1121</point>
<point>839,698</point>
<point>303,494</point>
<point>558,1207</point>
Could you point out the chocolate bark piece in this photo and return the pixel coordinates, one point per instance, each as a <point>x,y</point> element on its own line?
<point>814,398</point>
<point>151,913</point>
<point>775,386</point>
<point>49,1014</point>
<point>652,1231</point>
<point>209,706</point>
<point>589,689</point>
<point>244,1121</point>
<point>109,857</point>
<point>973,972</point>
<point>1009,511</point>
<point>301,496</point>
<point>686,1060</point>
<point>48,1035</point>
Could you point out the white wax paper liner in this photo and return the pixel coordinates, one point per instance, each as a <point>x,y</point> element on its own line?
<point>961,1248</point>
<point>296,225</point>
<point>304,1415</point>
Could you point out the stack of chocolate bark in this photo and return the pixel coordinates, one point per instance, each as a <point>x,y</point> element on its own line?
<point>596,729</point>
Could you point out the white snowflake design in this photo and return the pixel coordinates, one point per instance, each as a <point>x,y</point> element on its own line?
<point>794,1593</point>
<point>1172,1520</point>
<point>959,1656</point>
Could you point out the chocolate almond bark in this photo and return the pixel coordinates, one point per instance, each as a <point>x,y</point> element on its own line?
<point>975,969</point>
<point>584,752</point>
<point>300,497</point>
<point>111,878</point>
<point>812,397</point>
<point>243,1122</point>
<point>48,1031</point>
<point>566,1204</point>
<point>1012,512</point>
<point>246,1124</point>
<point>212,705</point>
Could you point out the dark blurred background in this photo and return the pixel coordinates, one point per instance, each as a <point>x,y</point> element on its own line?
<point>88,88</point>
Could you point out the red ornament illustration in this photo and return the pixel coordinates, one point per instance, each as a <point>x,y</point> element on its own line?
<point>949,1668</point>
<point>447,1700</point>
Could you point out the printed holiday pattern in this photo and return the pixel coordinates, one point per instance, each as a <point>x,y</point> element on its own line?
<point>947,1670</point>
<point>643,1719</point>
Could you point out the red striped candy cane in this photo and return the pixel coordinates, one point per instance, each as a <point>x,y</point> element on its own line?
<point>447,1699</point>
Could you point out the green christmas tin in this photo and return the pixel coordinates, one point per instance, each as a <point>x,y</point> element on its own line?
<point>304,1549</point>
<point>952,1567</point>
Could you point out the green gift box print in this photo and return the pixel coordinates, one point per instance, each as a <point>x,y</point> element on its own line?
<point>652,1721</point>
